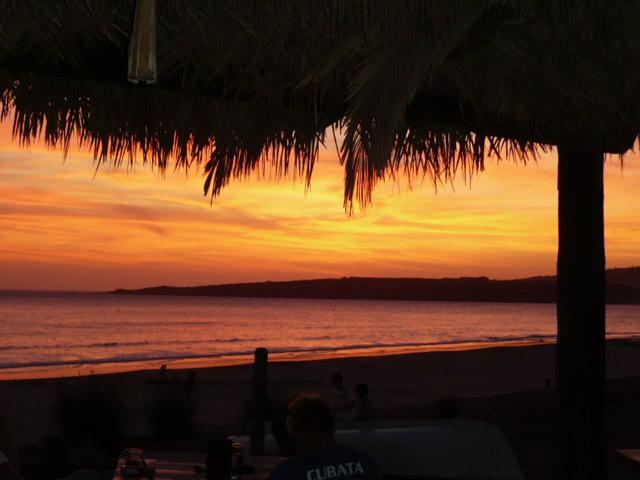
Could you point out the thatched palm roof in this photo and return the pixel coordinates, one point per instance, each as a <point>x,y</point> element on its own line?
<point>424,87</point>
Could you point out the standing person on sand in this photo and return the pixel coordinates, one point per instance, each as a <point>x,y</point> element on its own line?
<point>317,457</point>
<point>364,410</point>
<point>342,402</point>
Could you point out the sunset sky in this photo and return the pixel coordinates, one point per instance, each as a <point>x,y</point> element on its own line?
<point>63,228</point>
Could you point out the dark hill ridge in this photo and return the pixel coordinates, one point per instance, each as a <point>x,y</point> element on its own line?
<point>623,287</point>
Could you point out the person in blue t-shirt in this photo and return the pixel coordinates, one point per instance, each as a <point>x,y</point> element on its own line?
<point>318,457</point>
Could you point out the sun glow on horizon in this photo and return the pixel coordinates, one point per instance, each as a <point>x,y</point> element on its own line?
<point>64,228</point>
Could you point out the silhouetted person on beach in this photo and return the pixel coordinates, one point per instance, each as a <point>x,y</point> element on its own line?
<point>364,406</point>
<point>342,401</point>
<point>312,424</point>
<point>190,383</point>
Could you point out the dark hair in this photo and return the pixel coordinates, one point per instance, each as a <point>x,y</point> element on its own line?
<point>362,389</point>
<point>311,414</point>
<point>337,378</point>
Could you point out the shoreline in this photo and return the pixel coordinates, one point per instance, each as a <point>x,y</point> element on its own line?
<point>84,369</point>
<point>73,370</point>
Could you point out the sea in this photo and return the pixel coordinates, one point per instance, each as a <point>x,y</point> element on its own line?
<point>57,334</point>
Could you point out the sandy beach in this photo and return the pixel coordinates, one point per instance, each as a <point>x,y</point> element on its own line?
<point>511,387</point>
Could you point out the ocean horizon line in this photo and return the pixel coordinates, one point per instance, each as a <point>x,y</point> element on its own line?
<point>307,279</point>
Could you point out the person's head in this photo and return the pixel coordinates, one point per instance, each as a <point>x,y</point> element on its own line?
<point>362,390</point>
<point>337,380</point>
<point>311,422</point>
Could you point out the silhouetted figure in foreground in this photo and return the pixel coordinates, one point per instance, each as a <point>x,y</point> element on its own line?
<point>364,406</point>
<point>280,431</point>
<point>312,424</point>
<point>343,402</point>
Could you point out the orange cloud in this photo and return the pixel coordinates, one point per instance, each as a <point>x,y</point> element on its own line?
<point>64,228</point>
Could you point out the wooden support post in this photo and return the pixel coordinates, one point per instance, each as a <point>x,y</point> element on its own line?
<point>259,401</point>
<point>580,358</point>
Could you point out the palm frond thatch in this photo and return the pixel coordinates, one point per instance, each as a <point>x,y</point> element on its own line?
<point>420,87</point>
